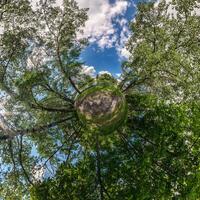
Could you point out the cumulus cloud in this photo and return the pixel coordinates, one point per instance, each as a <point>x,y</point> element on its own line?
<point>106,25</point>
<point>88,70</point>
<point>118,74</point>
<point>123,38</point>
<point>105,72</point>
<point>123,53</point>
<point>100,27</point>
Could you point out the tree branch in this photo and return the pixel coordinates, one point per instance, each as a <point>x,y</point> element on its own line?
<point>59,148</point>
<point>40,128</point>
<point>49,88</point>
<point>49,109</point>
<point>138,153</point>
<point>134,83</point>
<point>12,156</point>
<point>21,160</point>
<point>62,67</point>
<point>12,133</point>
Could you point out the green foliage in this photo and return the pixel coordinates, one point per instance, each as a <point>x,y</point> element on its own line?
<point>164,50</point>
<point>106,78</point>
<point>70,183</point>
<point>29,79</point>
<point>152,157</point>
<point>152,149</point>
<point>39,192</point>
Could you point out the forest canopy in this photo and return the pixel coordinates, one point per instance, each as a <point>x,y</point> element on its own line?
<point>66,135</point>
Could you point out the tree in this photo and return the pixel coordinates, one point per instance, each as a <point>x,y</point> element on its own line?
<point>164,49</point>
<point>53,121</point>
<point>39,53</point>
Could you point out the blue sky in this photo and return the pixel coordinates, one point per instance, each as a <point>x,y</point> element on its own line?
<point>102,60</point>
<point>108,30</point>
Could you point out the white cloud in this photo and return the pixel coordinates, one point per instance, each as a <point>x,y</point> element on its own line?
<point>106,25</point>
<point>38,173</point>
<point>105,72</point>
<point>5,126</point>
<point>118,74</point>
<point>119,77</point>
<point>123,38</point>
<point>100,27</point>
<point>88,70</point>
<point>3,101</point>
<point>124,53</point>
<point>1,29</point>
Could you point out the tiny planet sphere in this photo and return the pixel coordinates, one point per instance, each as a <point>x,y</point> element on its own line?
<point>102,106</point>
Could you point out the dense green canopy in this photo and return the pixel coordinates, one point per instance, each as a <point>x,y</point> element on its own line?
<point>50,148</point>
